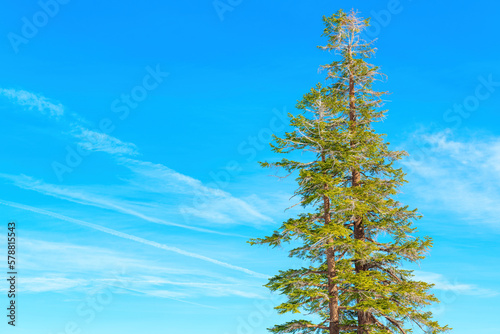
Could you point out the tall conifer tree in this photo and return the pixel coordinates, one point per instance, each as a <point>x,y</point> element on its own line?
<point>353,231</point>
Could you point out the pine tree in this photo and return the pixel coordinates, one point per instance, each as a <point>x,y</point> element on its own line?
<point>353,233</point>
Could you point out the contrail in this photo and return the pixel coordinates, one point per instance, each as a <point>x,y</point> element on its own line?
<point>131,237</point>
<point>177,300</point>
<point>50,190</point>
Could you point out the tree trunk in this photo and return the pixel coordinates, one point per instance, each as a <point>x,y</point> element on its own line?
<point>359,232</point>
<point>333,302</point>
<point>333,293</point>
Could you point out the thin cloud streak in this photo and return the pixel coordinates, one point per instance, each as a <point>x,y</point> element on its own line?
<point>62,267</point>
<point>132,237</point>
<point>79,197</point>
<point>442,283</point>
<point>209,203</point>
<point>33,101</point>
<point>206,202</point>
<point>460,175</point>
<point>58,284</point>
<point>94,141</point>
<point>87,139</point>
<point>162,294</point>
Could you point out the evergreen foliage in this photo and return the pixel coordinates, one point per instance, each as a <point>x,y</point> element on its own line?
<point>353,231</point>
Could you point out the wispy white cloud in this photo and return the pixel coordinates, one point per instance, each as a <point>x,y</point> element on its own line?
<point>58,283</point>
<point>166,294</point>
<point>152,186</point>
<point>209,203</point>
<point>64,267</point>
<point>442,283</point>
<point>32,101</point>
<point>52,283</point>
<point>458,174</point>
<point>87,139</point>
<point>85,196</point>
<point>148,285</point>
<point>158,287</point>
<point>133,238</point>
<point>100,142</point>
<point>67,258</point>
<point>156,182</point>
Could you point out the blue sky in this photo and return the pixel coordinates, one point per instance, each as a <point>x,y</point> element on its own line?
<point>131,134</point>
